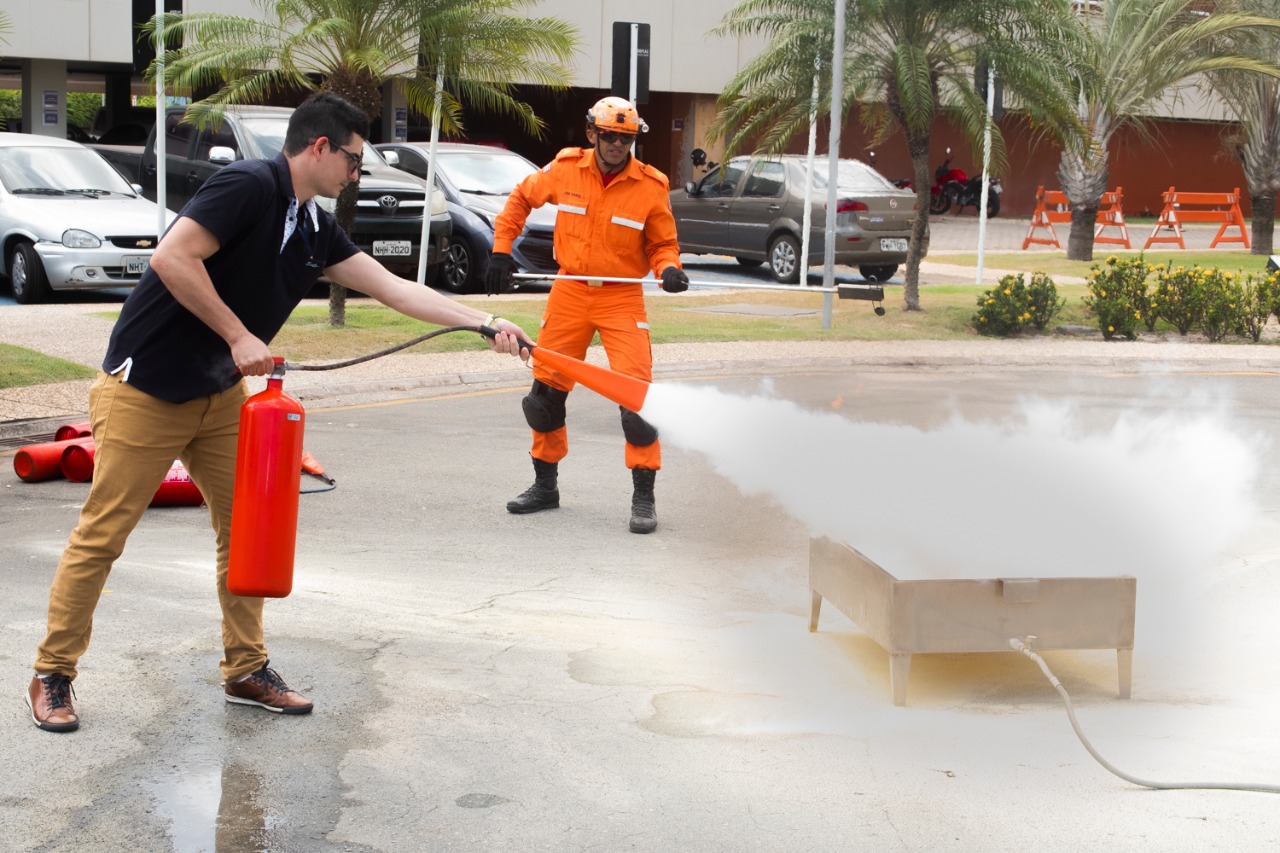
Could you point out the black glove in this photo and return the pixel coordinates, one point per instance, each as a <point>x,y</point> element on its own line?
<point>498,278</point>
<point>674,280</point>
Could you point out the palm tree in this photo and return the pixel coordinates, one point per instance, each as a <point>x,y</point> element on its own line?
<point>472,48</point>
<point>1254,101</point>
<point>1131,55</point>
<point>905,60</point>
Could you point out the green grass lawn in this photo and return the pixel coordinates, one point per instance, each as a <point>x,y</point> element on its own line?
<point>21,367</point>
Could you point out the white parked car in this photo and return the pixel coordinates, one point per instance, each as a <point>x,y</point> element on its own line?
<point>68,220</point>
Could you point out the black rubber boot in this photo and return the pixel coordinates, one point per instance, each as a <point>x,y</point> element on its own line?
<point>644,517</point>
<point>543,494</point>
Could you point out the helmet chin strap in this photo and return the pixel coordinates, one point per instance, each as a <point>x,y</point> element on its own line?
<point>603,166</point>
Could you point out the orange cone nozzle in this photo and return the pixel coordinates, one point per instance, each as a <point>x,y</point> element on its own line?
<point>43,461</point>
<point>627,391</point>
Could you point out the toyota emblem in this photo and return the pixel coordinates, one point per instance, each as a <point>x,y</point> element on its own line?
<point>388,204</point>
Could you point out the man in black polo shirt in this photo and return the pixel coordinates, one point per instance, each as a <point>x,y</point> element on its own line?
<point>222,282</point>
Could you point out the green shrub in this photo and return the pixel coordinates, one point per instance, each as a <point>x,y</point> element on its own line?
<point>1117,296</point>
<point>1257,303</point>
<point>1043,302</point>
<point>1012,306</point>
<point>1181,295</point>
<point>1223,299</point>
<point>1002,311</point>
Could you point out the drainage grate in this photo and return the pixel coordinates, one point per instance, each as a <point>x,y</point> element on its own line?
<point>15,434</point>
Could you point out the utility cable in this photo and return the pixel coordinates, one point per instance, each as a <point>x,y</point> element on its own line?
<point>1020,646</point>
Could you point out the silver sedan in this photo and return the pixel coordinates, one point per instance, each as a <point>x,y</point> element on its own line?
<point>753,210</point>
<point>68,220</point>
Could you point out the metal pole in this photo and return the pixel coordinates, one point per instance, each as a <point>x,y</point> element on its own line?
<point>162,186</point>
<point>634,85</point>
<point>833,164</point>
<point>986,166</point>
<point>808,175</point>
<point>788,288</point>
<point>425,238</point>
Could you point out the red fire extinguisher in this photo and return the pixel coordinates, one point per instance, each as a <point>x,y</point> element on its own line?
<point>264,514</point>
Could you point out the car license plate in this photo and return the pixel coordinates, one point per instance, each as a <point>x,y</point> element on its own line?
<point>892,244</point>
<point>392,248</point>
<point>135,266</point>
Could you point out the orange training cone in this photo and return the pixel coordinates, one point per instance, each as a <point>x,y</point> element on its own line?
<point>627,391</point>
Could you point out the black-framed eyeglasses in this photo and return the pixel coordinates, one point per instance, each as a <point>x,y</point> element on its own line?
<point>609,137</point>
<point>357,160</point>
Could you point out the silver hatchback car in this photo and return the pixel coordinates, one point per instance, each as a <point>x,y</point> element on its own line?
<point>753,209</point>
<point>68,220</point>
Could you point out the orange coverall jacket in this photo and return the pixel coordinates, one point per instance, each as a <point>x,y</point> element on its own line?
<point>623,230</point>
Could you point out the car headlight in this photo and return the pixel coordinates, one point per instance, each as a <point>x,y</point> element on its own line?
<point>74,238</point>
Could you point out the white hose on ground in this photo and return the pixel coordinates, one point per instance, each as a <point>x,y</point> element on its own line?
<point>1019,646</point>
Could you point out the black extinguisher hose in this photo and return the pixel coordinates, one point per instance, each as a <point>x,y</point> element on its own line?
<point>289,365</point>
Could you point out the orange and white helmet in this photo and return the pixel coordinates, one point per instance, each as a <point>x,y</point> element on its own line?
<point>614,113</point>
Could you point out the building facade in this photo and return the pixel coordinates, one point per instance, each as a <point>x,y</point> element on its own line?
<point>56,46</point>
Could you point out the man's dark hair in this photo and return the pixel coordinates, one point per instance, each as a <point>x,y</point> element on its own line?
<point>324,114</point>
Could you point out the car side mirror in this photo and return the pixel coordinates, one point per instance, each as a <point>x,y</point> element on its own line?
<point>392,157</point>
<point>691,188</point>
<point>222,154</point>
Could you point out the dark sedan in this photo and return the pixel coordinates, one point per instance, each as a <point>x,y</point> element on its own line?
<point>476,180</point>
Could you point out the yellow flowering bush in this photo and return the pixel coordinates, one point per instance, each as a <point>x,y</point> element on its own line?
<point>1181,294</point>
<point>1119,298</point>
<point>1012,306</point>
<point>1258,297</point>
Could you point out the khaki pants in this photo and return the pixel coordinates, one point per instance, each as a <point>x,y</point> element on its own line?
<point>137,437</point>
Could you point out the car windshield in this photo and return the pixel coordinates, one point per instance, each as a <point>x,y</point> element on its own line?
<point>52,171</point>
<point>854,176</point>
<point>483,172</point>
<point>268,136</point>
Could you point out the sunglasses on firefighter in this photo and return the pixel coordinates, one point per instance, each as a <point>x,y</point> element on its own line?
<point>609,137</point>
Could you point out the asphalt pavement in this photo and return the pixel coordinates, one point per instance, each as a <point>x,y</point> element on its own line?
<point>485,681</point>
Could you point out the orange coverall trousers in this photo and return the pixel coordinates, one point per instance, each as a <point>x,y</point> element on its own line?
<point>575,312</point>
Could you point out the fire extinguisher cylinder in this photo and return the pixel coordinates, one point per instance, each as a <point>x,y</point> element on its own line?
<point>264,513</point>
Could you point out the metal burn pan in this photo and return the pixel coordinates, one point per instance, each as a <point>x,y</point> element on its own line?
<point>907,617</point>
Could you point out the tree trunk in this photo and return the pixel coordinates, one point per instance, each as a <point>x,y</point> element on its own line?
<point>361,89</point>
<point>1262,228</point>
<point>345,213</point>
<point>1080,240</point>
<point>921,181</point>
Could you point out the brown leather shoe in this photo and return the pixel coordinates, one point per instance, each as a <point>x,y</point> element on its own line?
<point>49,699</point>
<point>266,689</point>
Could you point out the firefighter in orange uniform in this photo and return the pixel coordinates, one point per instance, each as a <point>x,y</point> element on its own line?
<point>614,222</point>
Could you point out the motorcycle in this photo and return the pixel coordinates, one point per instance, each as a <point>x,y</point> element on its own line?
<point>952,186</point>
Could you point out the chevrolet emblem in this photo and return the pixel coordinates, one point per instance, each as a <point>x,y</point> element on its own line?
<point>144,244</point>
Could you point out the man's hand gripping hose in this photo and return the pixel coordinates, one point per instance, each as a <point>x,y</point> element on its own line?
<point>1024,647</point>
